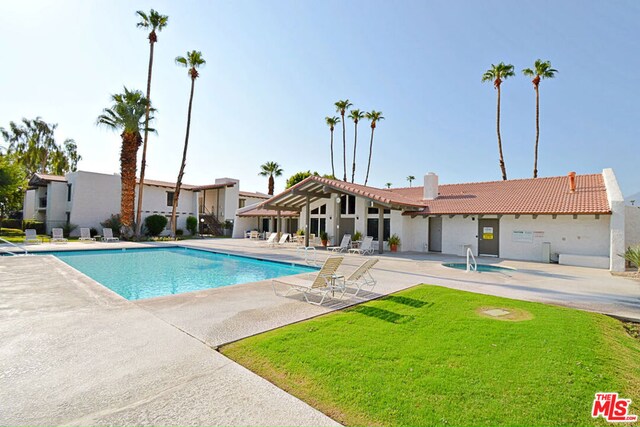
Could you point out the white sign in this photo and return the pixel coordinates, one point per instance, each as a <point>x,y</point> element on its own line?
<point>522,236</point>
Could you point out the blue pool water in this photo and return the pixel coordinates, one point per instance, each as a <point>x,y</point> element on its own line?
<point>146,273</point>
<point>481,267</point>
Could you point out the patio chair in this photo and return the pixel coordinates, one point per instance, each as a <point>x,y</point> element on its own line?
<point>254,235</point>
<point>283,239</point>
<point>30,236</point>
<point>344,245</point>
<point>85,235</point>
<point>322,284</point>
<point>107,235</point>
<point>271,241</point>
<point>362,276</point>
<point>366,247</point>
<point>57,236</point>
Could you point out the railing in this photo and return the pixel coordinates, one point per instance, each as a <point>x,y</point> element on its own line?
<point>470,258</point>
<point>7,251</point>
<point>211,221</point>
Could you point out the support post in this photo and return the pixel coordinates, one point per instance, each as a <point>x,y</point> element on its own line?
<point>278,225</point>
<point>380,230</point>
<point>307,219</point>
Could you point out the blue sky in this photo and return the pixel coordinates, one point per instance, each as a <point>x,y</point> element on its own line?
<point>275,68</point>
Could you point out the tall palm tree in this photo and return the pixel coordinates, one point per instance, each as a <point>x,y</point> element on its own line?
<point>388,185</point>
<point>270,169</point>
<point>355,115</point>
<point>342,107</point>
<point>155,21</point>
<point>541,70</point>
<point>332,122</point>
<point>374,117</point>
<point>127,114</point>
<point>192,61</point>
<point>497,74</point>
<point>410,178</point>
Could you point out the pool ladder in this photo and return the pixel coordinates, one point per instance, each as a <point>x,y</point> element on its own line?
<point>470,258</point>
<point>7,251</point>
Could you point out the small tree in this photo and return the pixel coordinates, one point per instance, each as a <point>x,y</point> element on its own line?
<point>114,223</point>
<point>299,177</point>
<point>155,224</point>
<point>192,225</point>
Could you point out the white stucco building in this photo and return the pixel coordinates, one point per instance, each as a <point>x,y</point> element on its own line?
<point>575,219</point>
<point>87,198</point>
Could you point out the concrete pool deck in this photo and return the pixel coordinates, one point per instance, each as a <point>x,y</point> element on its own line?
<point>74,352</point>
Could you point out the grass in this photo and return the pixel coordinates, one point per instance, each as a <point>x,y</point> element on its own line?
<point>426,357</point>
<point>14,235</point>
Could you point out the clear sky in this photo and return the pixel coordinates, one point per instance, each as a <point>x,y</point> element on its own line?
<point>275,68</point>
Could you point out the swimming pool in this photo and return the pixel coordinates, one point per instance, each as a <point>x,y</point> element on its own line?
<point>146,273</point>
<point>481,267</point>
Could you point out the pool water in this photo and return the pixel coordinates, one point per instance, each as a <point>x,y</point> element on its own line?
<point>147,273</point>
<point>481,267</point>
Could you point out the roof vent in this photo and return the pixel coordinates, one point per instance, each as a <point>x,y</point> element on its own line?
<point>572,181</point>
<point>430,186</point>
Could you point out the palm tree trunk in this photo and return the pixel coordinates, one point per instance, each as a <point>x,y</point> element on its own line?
<point>271,185</point>
<point>535,155</point>
<point>176,195</point>
<point>355,143</point>
<point>344,148</point>
<point>502,166</point>
<point>143,163</point>
<point>128,165</point>
<point>370,151</point>
<point>333,171</point>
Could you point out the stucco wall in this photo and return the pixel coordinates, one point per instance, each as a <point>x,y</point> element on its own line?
<point>457,232</point>
<point>29,204</point>
<point>154,202</point>
<point>414,234</point>
<point>56,205</point>
<point>94,198</point>
<point>632,226</point>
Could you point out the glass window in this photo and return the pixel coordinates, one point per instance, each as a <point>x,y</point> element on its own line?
<point>347,205</point>
<point>170,198</point>
<point>265,224</point>
<point>372,228</point>
<point>68,192</point>
<point>323,209</point>
<point>242,203</point>
<point>314,211</point>
<point>168,226</point>
<point>374,211</point>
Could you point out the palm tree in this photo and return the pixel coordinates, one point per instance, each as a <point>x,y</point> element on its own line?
<point>270,169</point>
<point>541,70</point>
<point>388,185</point>
<point>155,21</point>
<point>410,178</point>
<point>192,61</point>
<point>332,122</point>
<point>356,116</point>
<point>342,107</point>
<point>128,114</point>
<point>497,74</point>
<point>374,117</point>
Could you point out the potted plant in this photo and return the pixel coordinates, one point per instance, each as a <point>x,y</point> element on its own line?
<point>324,237</point>
<point>300,232</point>
<point>394,242</point>
<point>357,236</point>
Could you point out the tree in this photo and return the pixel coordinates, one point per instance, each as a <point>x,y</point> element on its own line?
<point>410,178</point>
<point>388,185</point>
<point>374,117</point>
<point>355,115</point>
<point>35,149</point>
<point>127,114</point>
<point>541,70</point>
<point>342,107</point>
<point>155,21</point>
<point>332,122</point>
<point>192,61</point>
<point>271,169</point>
<point>301,176</point>
<point>497,74</point>
<point>12,182</point>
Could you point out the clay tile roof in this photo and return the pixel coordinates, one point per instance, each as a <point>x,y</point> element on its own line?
<point>267,212</point>
<point>165,184</point>
<point>254,195</point>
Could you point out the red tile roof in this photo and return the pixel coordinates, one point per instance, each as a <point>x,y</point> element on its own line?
<point>253,195</point>
<point>267,212</point>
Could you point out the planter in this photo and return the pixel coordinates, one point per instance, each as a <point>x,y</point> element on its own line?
<point>393,248</point>
<point>325,243</point>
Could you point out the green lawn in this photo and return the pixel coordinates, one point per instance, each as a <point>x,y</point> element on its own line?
<point>426,357</point>
<point>14,235</point>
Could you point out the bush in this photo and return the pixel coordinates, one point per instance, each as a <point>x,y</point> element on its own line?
<point>114,223</point>
<point>68,228</point>
<point>179,232</point>
<point>357,236</point>
<point>93,232</point>
<point>633,256</point>
<point>192,225</point>
<point>155,224</point>
<point>36,225</point>
<point>11,223</point>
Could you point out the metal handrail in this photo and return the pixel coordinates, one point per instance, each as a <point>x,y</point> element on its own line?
<point>470,258</point>
<point>26,252</point>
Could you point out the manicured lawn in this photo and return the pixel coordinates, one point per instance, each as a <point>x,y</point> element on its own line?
<point>426,357</point>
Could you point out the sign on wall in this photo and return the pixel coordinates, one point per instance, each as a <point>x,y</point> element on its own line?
<point>522,236</point>
<point>487,233</point>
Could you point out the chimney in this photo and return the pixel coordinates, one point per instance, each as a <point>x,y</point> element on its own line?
<point>572,181</point>
<point>430,186</point>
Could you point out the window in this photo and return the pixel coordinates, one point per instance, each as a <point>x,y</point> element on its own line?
<point>322,210</point>
<point>347,205</point>
<point>318,225</point>
<point>68,218</point>
<point>265,224</point>
<point>242,203</point>
<point>68,192</point>
<point>170,198</point>
<point>372,228</point>
<point>374,211</point>
<point>168,226</point>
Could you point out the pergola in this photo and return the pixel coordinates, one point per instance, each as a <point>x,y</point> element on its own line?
<point>315,188</point>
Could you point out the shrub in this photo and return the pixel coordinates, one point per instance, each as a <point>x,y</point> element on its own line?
<point>394,239</point>
<point>68,228</point>
<point>36,225</point>
<point>300,232</point>
<point>155,224</point>
<point>11,223</point>
<point>114,223</point>
<point>93,232</point>
<point>357,236</point>
<point>179,232</point>
<point>632,255</point>
<point>192,225</point>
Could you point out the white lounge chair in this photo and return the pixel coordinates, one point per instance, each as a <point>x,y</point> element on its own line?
<point>362,276</point>
<point>57,236</point>
<point>107,235</point>
<point>366,247</point>
<point>283,239</point>
<point>30,236</point>
<point>271,241</point>
<point>254,235</point>
<point>325,281</point>
<point>85,235</point>
<point>344,245</point>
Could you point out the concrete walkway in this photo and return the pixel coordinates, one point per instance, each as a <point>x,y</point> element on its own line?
<point>73,352</point>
